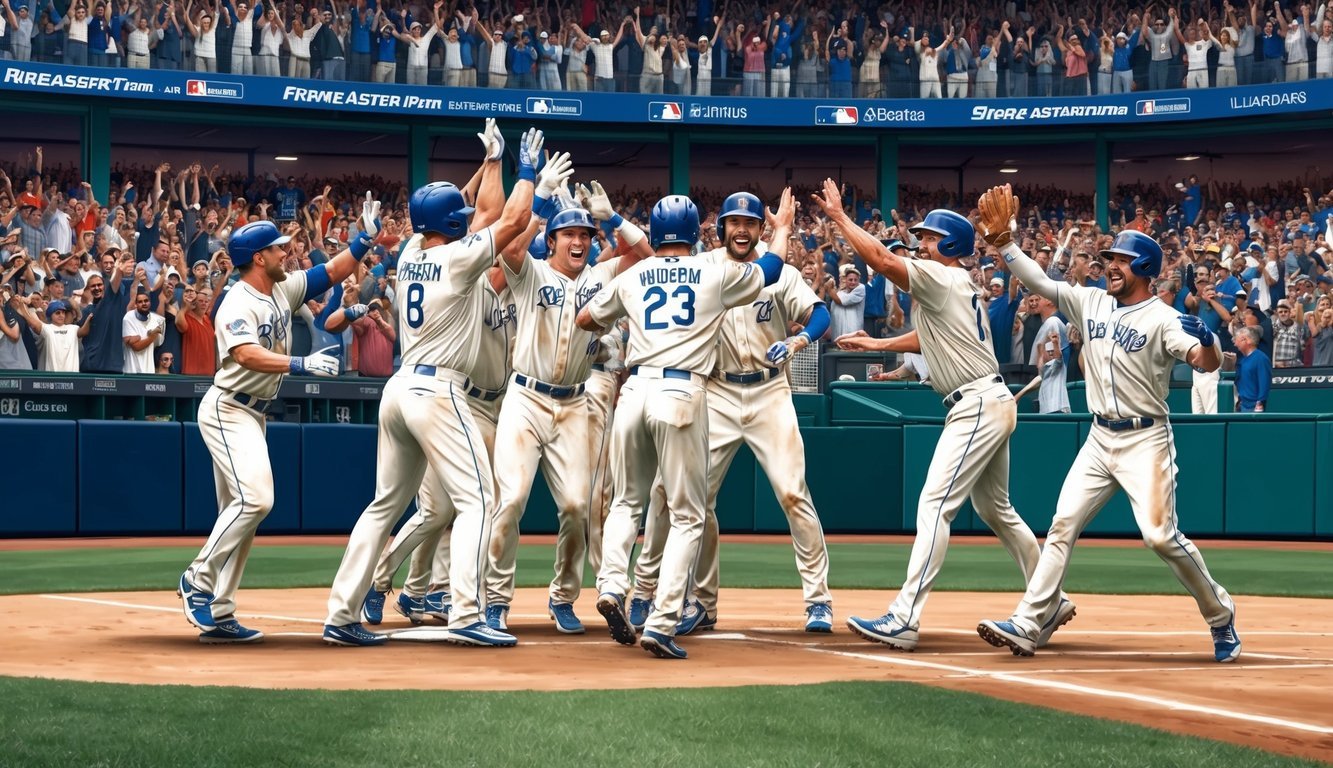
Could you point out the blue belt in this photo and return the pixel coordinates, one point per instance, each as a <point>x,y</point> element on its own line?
<point>668,373</point>
<point>473,390</point>
<point>750,378</point>
<point>957,394</point>
<point>550,390</point>
<point>251,402</point>
<point>1120,425</point>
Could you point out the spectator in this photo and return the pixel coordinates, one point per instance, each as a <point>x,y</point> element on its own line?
<point>1254,372</point>
<point>1161,49</point>
<point>106,298</point>
<point>164,362</point>
<point>192,320</point>
<point>375,338</point>
<point>1294,40</point>
<point>13,353</point>
<point>1321,330</point>
<point>1288,336</point>
<point>142,332</point>
<point>1045,65</point>
<point>418,46</point>
<point>928,73</point>
<point>1047,357</point>
<point>848,310</point>
<point>57,337</point>
<point>1076,63</point>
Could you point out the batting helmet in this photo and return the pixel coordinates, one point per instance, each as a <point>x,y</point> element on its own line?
<point>570,218</point>
<point>251,239</point>
<point>741,204</point>
<point>439,207</point>
<point>674,221</point>
<point>1145,252</point>
<point>958,238</point>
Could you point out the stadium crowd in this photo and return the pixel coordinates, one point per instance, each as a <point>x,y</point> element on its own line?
<point>805,48</point>
<point>130,285</point>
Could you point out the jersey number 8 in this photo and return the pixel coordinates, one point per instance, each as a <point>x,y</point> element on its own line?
<point>656,297</point>
<point>415,315</point>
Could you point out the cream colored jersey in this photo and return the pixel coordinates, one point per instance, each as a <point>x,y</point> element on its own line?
<point>748,332</point>
<point>492,366</point>
<point>1127,351</point>
<point>250,317</point>
<point>439,303</point>
<point>549,347</point>
<point>675,307</point>
<point>952,325</point>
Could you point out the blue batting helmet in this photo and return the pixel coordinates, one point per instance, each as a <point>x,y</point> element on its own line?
<point>674,221</point>
<point>1145,252</point>
<point>958,238</point>
<point>537,248</point>
<point>570,218</point>
<point>439,207</point>
<point>251,239</point>
<point>740,204</point>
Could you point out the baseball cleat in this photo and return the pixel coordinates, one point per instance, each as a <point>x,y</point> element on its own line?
<point>1003,634</point>
<point>352,636</point>
<point>1063,615</point>
<point>372,608</point>
<point>885,629</point>
<point>229,630</point>
<point>662,646</point>
<point>694,619</point>
<point>1226,643</point>
<point>495,616</point>
<point>198,605</point>
<point>819,618</point>
<point>639,610</point>
<point>479,633</point>
<point>414,608</point>
<point>565,620</point>
<point>612,608</point>
<point>437,606</point>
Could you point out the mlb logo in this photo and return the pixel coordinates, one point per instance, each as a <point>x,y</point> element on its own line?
<point>196,88</point>
<point>665,111</point>
<point>836,116</point>
<point>1147,107</point>
<point>539,106</point>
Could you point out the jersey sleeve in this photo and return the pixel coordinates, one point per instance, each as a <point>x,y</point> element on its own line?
<point>741,283</point>
<point>470,257</point>
<point>293,289</point>
<point>929,283</point>
<point>606,305</point>
<point>794,295</point>
<point>1072,299</point>
<point>235,325</point>
<point>1178,343</point>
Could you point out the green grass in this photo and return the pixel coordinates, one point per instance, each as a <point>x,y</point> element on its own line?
<point>1106,570</point>
<point>875,724</point>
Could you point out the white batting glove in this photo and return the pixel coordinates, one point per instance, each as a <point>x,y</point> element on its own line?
<point>316,364</point>
<point>492,140</point>
<point>356,311</point>
<point>530,152</point>
<point>554,174</point>
<point>781,351</point>
<point>596,201</point>
<point>370,216</point>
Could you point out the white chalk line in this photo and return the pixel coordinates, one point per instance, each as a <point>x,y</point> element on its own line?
<point>1157,701</point>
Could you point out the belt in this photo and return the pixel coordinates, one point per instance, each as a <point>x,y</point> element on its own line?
<point>551,390</point>
<point>472,390</point>
<point>753,377</point>
<point>251,402</point>
<point>952,399</point>
<point>1120,425</point>
<point>599,367</point>
<point>650,372</point>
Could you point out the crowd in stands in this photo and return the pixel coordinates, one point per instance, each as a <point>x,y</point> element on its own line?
<point>129,285</point>
<point>802,48</point>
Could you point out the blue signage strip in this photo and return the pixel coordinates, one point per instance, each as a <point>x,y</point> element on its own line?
<point>634,108</point>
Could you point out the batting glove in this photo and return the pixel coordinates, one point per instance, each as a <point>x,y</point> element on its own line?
<point>317,364</point>
<point>492,140</point>
<point>781,351</point>
<point>370,216</point>
<point>554,174</point>
<point>356,311</point>
<point>597,202</point>
<point>1195,327</point>
<point>530,154</point>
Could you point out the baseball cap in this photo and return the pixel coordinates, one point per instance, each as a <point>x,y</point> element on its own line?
<point>291,179</point>
<point>895,243</point>
<point>1256,247</point>
<point>703,38</point>
<point>1230,206</point>
<point>1325,279</point>
<point>415,25</point>
<point>997,281</point>
<point>845,268</point>
<point>56,251</point>
<point>604,33</point>
<point>58,305</point>
<point>1097,264</point>
<point>518,19</point>
<point>544,35</point>
<point>1046,248</point>
<point>197,262</point>
<point>171,272</point>
<point>754,39</point>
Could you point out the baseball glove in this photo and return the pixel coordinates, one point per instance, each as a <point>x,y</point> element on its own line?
<point>998,207</point>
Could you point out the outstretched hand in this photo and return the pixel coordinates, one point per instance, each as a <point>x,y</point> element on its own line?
<point>999,208</point>
<point>831,201</point>
<point>594,198</point>
<point>786,212</point>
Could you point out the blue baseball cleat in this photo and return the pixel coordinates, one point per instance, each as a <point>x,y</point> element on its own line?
<point>662,646</point>
<point>1004,634</point>
<point>229,630</point>
<point>198,605</point>
<point>495,616</point>
<point>352,636</point>
<point>612,608</point>
<point>414,608</point>
<point>694,619</point>
<point>565,620</point>
<point>480,634</point>
<point>819,618</point>
<point>1226,643</point>
<point>372,608</point>
<point>438,606</point>
<point>639,610</point>
<point>885,629</point>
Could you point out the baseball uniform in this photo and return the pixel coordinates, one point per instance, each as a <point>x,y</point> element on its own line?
<point>749,402</point>
<point>425,424</point>
<point>602,387</point>
<point>1128,354</point>
<point>547,422</point>
<point>675,308</point>
<point>231,422</point>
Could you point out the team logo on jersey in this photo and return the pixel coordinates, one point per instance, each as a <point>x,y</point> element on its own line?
<point>499,316</point>
<point>237,328</point>
<point>585,295</point>
<point>1123,335</point>
<point>550,296</point>
<point>765,313</point>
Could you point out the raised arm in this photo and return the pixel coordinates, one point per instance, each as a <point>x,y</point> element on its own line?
<point>489,199</point>
<point>999,209</point>
<point>518,208</point>
<point>867,246</point>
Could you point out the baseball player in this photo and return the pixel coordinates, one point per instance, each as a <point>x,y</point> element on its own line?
<point>749,401</point>
<point>253,333</point>
<point>603,385</point>
<point>546,419</point>
<point>1130,339</point>
<point>425,422</point>
<point>675,308</point>
<point>972,455</point>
